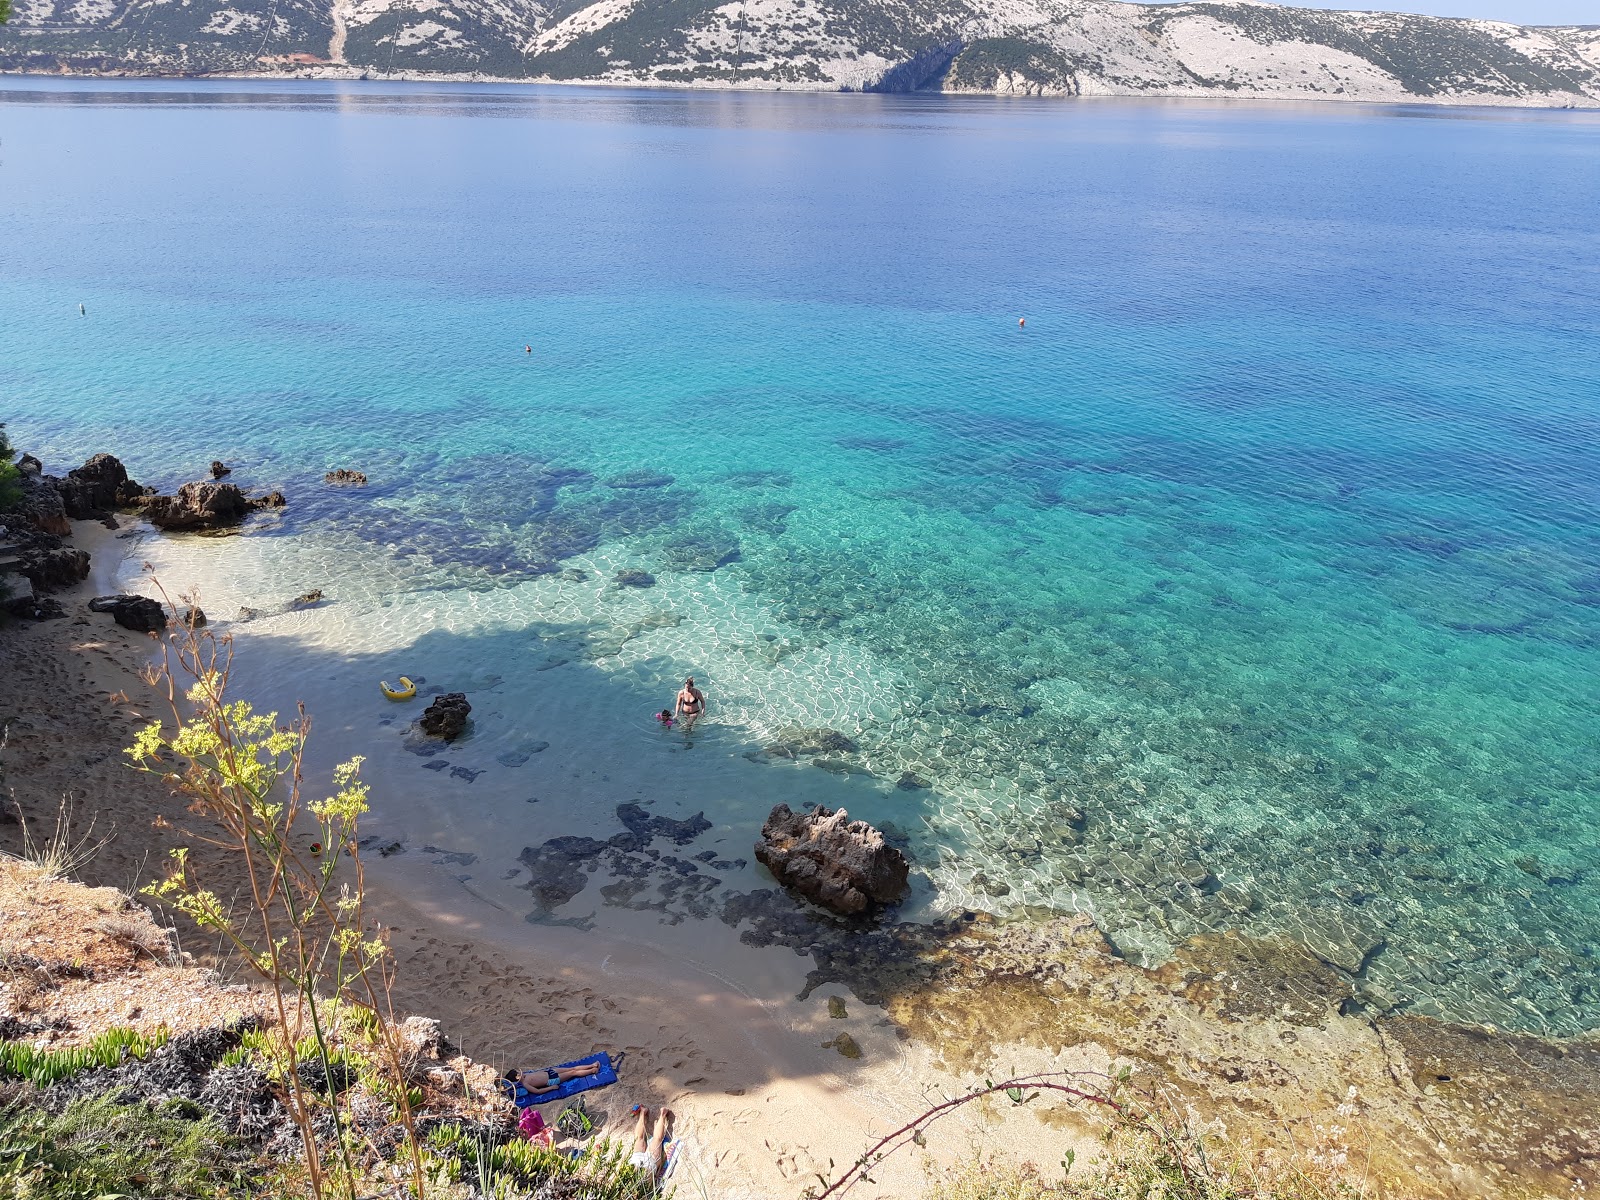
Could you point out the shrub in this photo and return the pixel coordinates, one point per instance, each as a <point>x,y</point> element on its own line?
<point>10,490</point>
<point>97,1147</point>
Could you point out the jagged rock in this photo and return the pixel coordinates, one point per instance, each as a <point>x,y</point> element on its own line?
<point>795,742</point>
<point>633,578</point>
<point>423,1038</point>
<point>139,613</point>
<point>41,505</point>
<point>307,599</point>
<point>270,500</point>
<point>219,469</point>
<point>91,491</point>
<point>840,864</point>
<point>344,476</point>
<point>51,568</point>
<point>29,465</point>
<point>199,506</point>
<point>192,617</point>
<point>446,717</point>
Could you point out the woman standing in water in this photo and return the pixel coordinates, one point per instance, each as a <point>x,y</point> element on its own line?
<point>691,703</point>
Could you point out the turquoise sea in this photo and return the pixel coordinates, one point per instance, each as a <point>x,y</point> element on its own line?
<point>1270,542</point>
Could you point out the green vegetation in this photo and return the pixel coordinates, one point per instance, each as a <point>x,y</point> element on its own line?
<point>512,1169</point>
<point>979,66</point>
<point>20,1060</point>
<point>99,1148</point>
<point>10,491</point>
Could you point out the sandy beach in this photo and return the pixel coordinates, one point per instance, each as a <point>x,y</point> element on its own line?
<point>1256,1038</point>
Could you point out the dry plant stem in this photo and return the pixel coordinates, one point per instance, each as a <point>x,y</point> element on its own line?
<point>1085,1091</point>
<point>309,936</point>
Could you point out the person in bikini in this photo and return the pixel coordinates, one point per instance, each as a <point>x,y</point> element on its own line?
<point>523,1088</point>
<point>691,703</point>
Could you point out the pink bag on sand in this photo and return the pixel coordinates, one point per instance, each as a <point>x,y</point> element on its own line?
<point>530,1124</point>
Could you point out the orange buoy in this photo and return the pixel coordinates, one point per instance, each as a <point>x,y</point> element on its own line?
<point>1022,322</point>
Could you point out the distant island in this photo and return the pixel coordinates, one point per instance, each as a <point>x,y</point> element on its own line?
<point>1240,49</point>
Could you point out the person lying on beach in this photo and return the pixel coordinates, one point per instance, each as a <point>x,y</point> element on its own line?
<point>691,703</point>
<point>665,717</point>
<point>525,1087</point>
<point>649,1153</point>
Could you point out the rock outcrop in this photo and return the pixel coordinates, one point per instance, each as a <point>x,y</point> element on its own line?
<point>446,717</point>
<point>832,861</point>
<point>41,506</point>
<point>139,613</point>
<point>206,506</point>
<point>220,468</point>
<point>92,491</point>
<point>344,476</point>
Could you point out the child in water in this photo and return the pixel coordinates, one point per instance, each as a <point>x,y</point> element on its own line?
<point>665,717</point>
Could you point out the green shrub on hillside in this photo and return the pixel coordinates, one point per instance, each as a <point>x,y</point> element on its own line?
<point>100,1148</point>
<point>10,492</point>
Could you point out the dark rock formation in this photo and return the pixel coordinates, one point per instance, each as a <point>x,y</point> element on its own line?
<point>646,826</point>
<point>446,717</point>
<point>307,599</point>
<point>343,476</point>
<point>206,506</point>
<point>192,617</point>
<point>91,491</point>
<point>633,578</point>
<point>50,566</point>
<point>219,469</point>
<point>832,861</point>
<point>139,613</point>
<point>795,742</point>
<point>41,505</point>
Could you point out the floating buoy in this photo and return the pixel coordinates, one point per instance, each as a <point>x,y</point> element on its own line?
<point>405,691</point>
<point>1022,322</point>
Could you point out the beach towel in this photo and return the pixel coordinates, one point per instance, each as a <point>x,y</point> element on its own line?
<point>604,1077</point>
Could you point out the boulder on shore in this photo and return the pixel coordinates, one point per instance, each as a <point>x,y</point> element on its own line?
<point>41,505</point>
<point>446,717</point>
<point>138,613</point>
<point>91,491</point>
<point>205,506</point>
<point>832,861</point>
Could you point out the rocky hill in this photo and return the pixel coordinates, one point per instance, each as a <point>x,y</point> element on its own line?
<point>1239,48</point>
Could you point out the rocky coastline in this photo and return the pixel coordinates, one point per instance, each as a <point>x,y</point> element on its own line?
<point>1260,1034</point>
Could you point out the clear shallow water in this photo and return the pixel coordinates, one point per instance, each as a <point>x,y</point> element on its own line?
<point>1271,542</point>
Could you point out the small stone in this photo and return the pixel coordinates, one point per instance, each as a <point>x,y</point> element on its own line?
<point>844,1044</point>
<point>836,1008</point>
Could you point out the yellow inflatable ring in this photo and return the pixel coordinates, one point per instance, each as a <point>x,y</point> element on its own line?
<point>405,691</point>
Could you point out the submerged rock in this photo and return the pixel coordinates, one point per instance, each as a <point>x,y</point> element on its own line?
<point>795,742</point>
<point>446,717</point>
<point>634,578</point>
<point>840,864</point>
<point>345,476</point>
<point>139,613</point>
<point>642,478</point>
<point>219,469</point>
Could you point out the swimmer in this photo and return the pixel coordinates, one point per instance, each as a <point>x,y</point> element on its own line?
<point>665,717</point>
<point>691,703</point>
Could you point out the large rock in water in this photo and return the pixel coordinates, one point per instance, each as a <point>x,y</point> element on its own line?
<point>139,613</point>
<point>205,506</point>
<point>97,487</point>
<point>447,716</point>
<point>832,861</point>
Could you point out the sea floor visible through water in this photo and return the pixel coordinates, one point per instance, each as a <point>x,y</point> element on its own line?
<point>1250,585</point>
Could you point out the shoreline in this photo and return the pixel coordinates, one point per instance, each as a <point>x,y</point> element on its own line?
<point>1250,1032</point>
<point>335,74</point>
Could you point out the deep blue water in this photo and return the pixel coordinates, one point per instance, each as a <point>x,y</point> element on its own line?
<point>1272,541</point>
